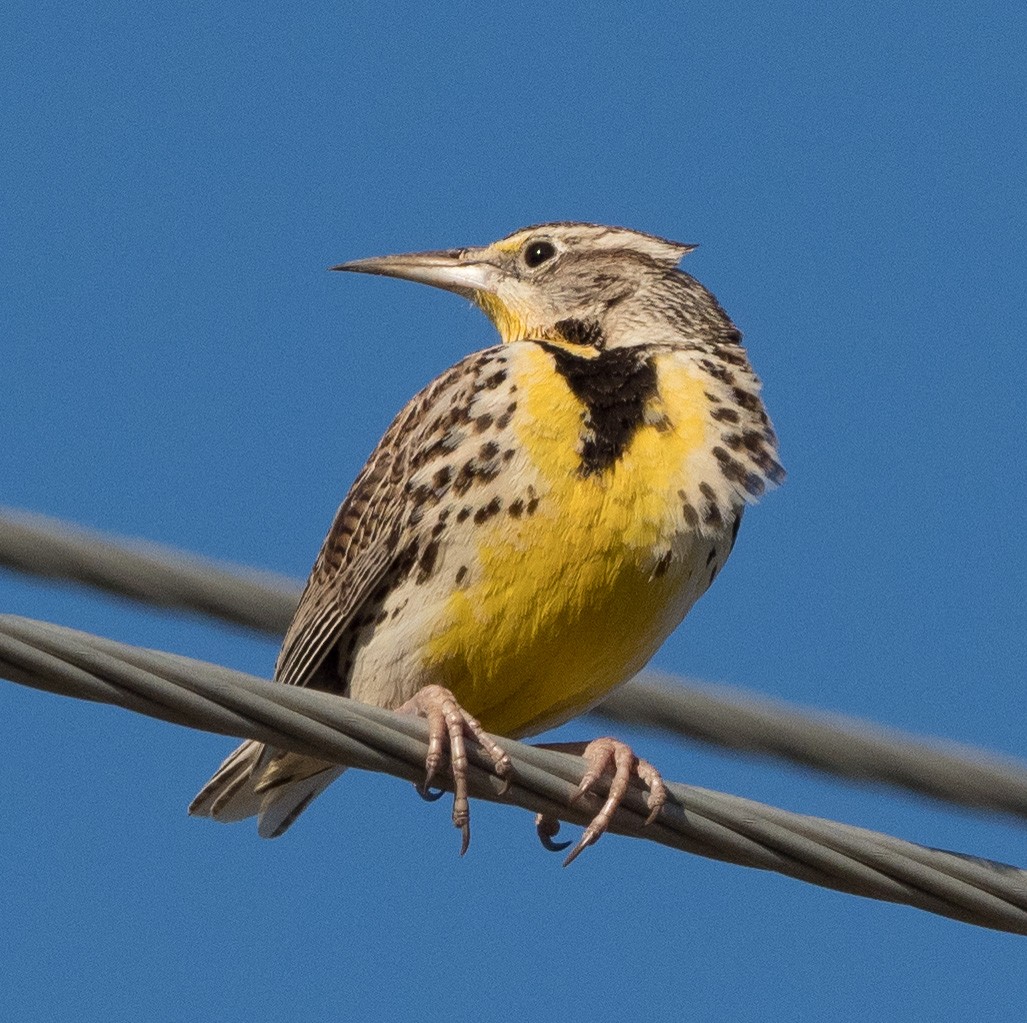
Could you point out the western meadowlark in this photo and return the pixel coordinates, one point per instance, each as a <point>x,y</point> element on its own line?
<point>536,521</point>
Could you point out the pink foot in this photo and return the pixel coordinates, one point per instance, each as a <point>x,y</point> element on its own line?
<point>601,755</point>
<point>448,726</point>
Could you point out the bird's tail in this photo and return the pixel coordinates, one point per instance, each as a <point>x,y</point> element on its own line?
<point>274,787</point>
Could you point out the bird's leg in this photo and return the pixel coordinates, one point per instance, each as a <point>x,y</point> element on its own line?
<point>449,725</point>
<point>601,755</point>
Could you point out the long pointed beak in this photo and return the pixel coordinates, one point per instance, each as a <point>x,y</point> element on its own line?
<point>465,271</point>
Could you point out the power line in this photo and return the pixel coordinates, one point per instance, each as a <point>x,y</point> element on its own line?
<point>148,572</point>
<point>700,821</point>
<point>738,720</point>
<point>847,747</point>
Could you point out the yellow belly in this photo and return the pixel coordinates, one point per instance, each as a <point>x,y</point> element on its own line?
<point>571,601</point>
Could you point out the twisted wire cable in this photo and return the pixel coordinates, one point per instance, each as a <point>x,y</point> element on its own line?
<point>700,821</point>
<point>147,572</point>
<point>844,746</point>
<point>738,720</point>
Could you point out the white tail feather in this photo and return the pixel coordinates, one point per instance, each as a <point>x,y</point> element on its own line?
<point>234,792</point>
<point>281,806</point>
<point>229,795</point>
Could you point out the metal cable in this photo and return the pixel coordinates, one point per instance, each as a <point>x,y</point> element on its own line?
<point>741,721</point>
<point>844,746</point>
<point>700,821</point>
<point>147,572</point>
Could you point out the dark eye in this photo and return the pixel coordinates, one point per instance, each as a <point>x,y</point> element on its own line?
<point>538,252</point>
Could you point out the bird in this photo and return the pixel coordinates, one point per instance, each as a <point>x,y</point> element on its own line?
<point>535,522</point>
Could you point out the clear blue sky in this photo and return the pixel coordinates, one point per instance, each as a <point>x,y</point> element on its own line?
<point>179,366</point>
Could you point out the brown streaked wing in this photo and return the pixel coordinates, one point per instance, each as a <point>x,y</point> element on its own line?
<point>364,542</point>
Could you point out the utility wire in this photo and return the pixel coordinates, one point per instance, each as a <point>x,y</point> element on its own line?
<point>700,821</point>
<point>720,716</point>
<point>148,572</point>
<point>844,746</point>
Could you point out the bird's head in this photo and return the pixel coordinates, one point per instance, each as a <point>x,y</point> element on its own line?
<point>583,285</point>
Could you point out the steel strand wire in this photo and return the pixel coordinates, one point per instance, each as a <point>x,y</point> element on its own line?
<point>741,721</point>
<point>833,743</point>
<point>700,821</point>
<point>147,572</point>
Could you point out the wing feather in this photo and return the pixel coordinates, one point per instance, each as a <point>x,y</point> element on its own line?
<point>372,536</point>
<point>365,541</point>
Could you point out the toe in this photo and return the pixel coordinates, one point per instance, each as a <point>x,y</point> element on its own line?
<point>449,727</point>
<point>602,756</point>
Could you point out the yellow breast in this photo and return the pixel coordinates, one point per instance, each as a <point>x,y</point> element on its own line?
<point>575,595</point>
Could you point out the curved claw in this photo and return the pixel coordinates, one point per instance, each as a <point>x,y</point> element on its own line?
<point>589,837</point>
<point>449,726</point>
<point>547,828</point>
<point>604,756</point>
<point>429,795</point>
